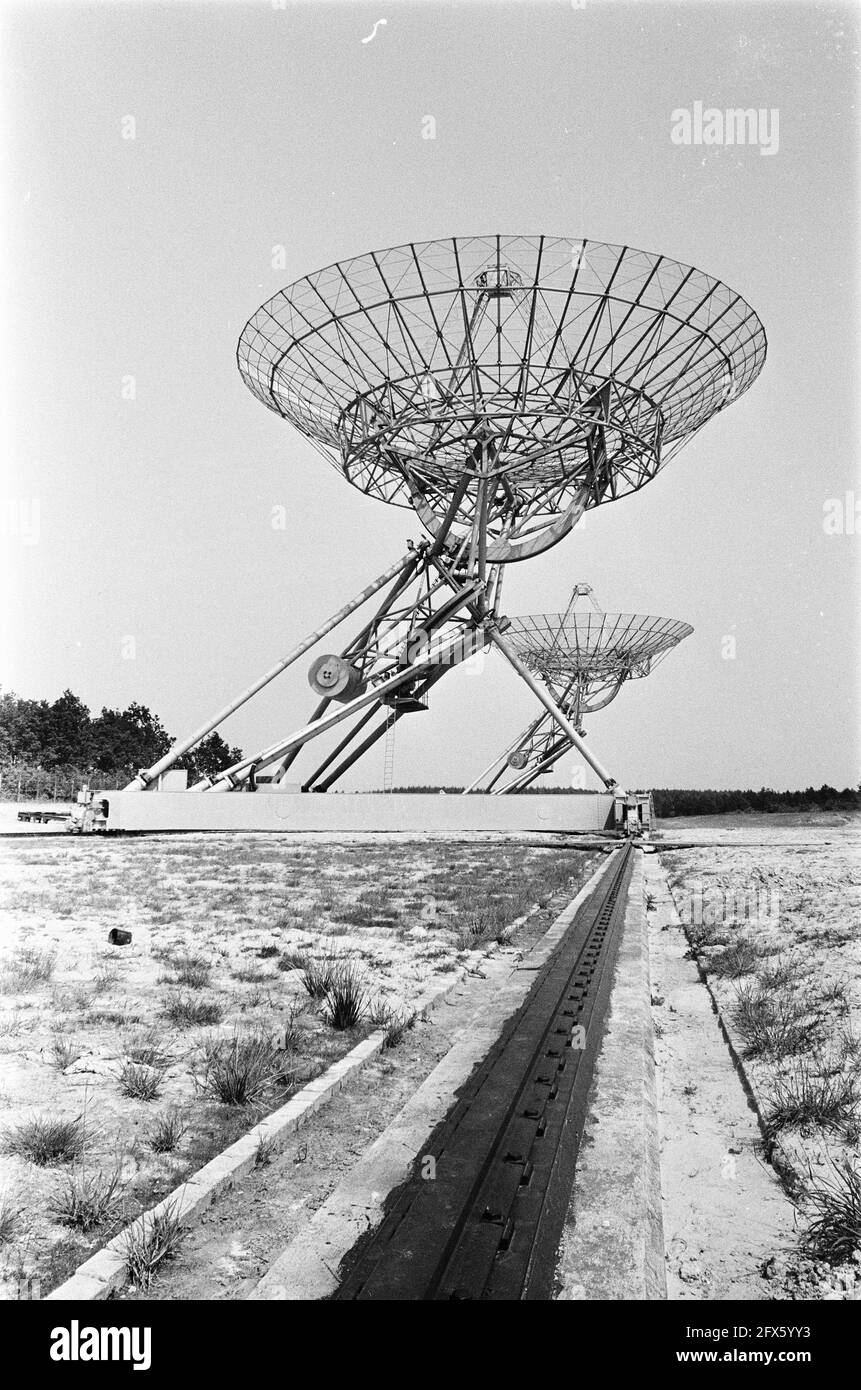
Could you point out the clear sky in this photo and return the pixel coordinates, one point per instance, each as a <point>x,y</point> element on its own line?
<point>257,127</point>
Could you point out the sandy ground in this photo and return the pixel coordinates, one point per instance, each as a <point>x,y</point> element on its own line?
<point>214,919</point>
<point>237,906</point>
<point>241,1235</point>
<point>784,828</point>
<point>724,1211</point>
<point>791,894</point>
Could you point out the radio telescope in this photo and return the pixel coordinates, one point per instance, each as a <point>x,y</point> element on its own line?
<point>499,387</point>
<point>584,656</point>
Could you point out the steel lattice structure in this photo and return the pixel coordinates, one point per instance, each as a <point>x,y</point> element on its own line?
<point>499,386</point>
<point>584,657</point>
<point>598,646</point>
<point>586,365</point>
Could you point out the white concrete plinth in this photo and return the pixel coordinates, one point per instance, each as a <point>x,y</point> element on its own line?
<point>373,811</point>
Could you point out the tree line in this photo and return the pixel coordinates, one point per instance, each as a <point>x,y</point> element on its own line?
<point>693,801</point>
<point>52,748</point>
<point>689,801</point>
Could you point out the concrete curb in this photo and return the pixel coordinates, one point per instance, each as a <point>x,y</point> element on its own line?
<point>308,1267</point>
<point>104,1273</point>
<point>613,1243</point>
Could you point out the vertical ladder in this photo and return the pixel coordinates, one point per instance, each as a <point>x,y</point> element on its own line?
<point>389,764</point>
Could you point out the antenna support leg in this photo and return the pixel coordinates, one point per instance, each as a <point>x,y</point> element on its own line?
<point>553,709</point>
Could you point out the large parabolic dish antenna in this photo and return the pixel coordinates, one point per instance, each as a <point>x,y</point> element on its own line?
<point>499,386</point>
<point>558,367</point>
<point>584,656</point>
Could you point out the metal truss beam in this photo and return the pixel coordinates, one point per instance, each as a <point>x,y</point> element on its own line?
<point>148,776</point>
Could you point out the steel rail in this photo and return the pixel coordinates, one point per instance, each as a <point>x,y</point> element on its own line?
<point>482,1221</point>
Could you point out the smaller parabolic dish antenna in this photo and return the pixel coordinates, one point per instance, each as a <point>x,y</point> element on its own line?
<point>584,656</point>
<point>594,647</point>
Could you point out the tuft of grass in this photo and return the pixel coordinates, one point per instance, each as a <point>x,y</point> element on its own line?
<point>64,1050</point>
<point>848,1045</point>
<point>774,1023</point>
<point>103,980</point>
<point>790,1176</point>
<point>145,1049</point>
<point>778,976</point>
<point>8,1221</point>
<point>191,971</point>
<point>141,1082</point>
<point>255,998</point>
<point>150,1242</point>
<point>25,970</point>
<point>804,1097</point>
<point>833,994</point>
<point>291,1030</point>
<point>293,960</point>
<point>244,1069</point>
<point>113,1018</point>
<point>481,928</point>
<point>702,934</point>
<point>249,976</point>
<point>44,1140</point>
<point>88,1200</point>
<point>265,1152</point>
<point>166,1133</point>
<point>267,952</point>
<point>396,1024</point>
<point>738,959</point>
<point>318,975</point>
<point>833,1232</point>
<point>346,998</point>
<point>185,1012</point>
<point>362,914</point>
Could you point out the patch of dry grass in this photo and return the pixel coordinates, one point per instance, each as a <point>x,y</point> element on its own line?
<point>244,1069</point>
<point>775,1023</point>
<point>141,1082</point>
<point>65,1051</point>
<point>87,1200</point>
<point>345,997</point>
<point>46,1139</point>
<point>741,958</point>
<point>185,1012</point>
<point>167,1132</point>
<point>25,970</point>
<point>833,1204</point>
<point>482,926</point>
<point>317,974</point>
<point>396,1022</point>
<point>149,1243</point>
<point>146,1048</point>
<point>809,1094</point>
<point>9,1214</point>
<point>193,971</point>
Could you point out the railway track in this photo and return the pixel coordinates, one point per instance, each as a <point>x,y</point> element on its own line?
<point>482,1213</point>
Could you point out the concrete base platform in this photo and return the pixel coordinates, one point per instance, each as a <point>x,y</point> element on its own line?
<point>373,811</point>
